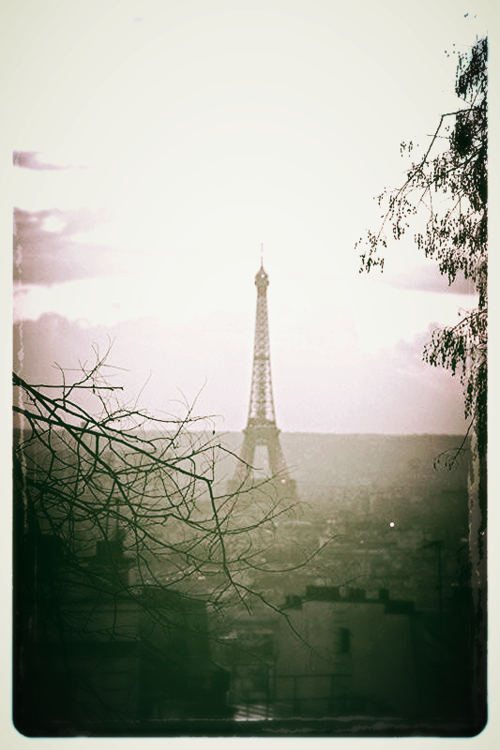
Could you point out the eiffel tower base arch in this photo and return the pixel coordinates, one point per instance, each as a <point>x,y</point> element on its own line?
<point>278,481</point>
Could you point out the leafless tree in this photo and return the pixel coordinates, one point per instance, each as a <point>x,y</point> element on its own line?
<point>110,505</point>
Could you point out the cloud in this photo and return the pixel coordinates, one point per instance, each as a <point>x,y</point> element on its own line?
<point>427,278</point>
<point>166,375</point>
<point>336,390</point>
<point>30,160</point>
<point>48,251</point>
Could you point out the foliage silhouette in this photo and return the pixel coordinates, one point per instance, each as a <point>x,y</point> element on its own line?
<point>451,187</point>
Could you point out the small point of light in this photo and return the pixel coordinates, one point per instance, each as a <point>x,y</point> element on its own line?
<point>392,523</point>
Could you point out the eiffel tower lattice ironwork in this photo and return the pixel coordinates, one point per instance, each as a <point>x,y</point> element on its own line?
<point>261,429</point>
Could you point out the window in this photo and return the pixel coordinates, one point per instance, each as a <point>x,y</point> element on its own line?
<point>344,641</point>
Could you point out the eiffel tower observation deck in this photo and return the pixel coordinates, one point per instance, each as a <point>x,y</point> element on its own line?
<point>261,429</point>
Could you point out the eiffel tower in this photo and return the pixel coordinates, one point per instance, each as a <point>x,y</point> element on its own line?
<point>261,429</point>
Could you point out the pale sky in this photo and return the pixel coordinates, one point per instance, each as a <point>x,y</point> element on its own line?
<point>160,143</point>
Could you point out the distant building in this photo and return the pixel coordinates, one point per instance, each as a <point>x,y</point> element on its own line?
<point>341,654</point>
<point>246,648</point>
<point>105,658</point>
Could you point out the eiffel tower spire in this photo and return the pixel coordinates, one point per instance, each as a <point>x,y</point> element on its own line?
<point>261,410</point>
<point>261,429</point>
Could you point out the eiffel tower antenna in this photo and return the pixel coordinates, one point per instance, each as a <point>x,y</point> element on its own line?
<point>261,429</point>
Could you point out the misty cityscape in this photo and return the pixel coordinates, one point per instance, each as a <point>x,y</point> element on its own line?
<point>340,587</point>
<point>249,388</point>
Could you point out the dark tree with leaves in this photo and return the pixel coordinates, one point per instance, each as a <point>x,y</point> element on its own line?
<point>450,188</point>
